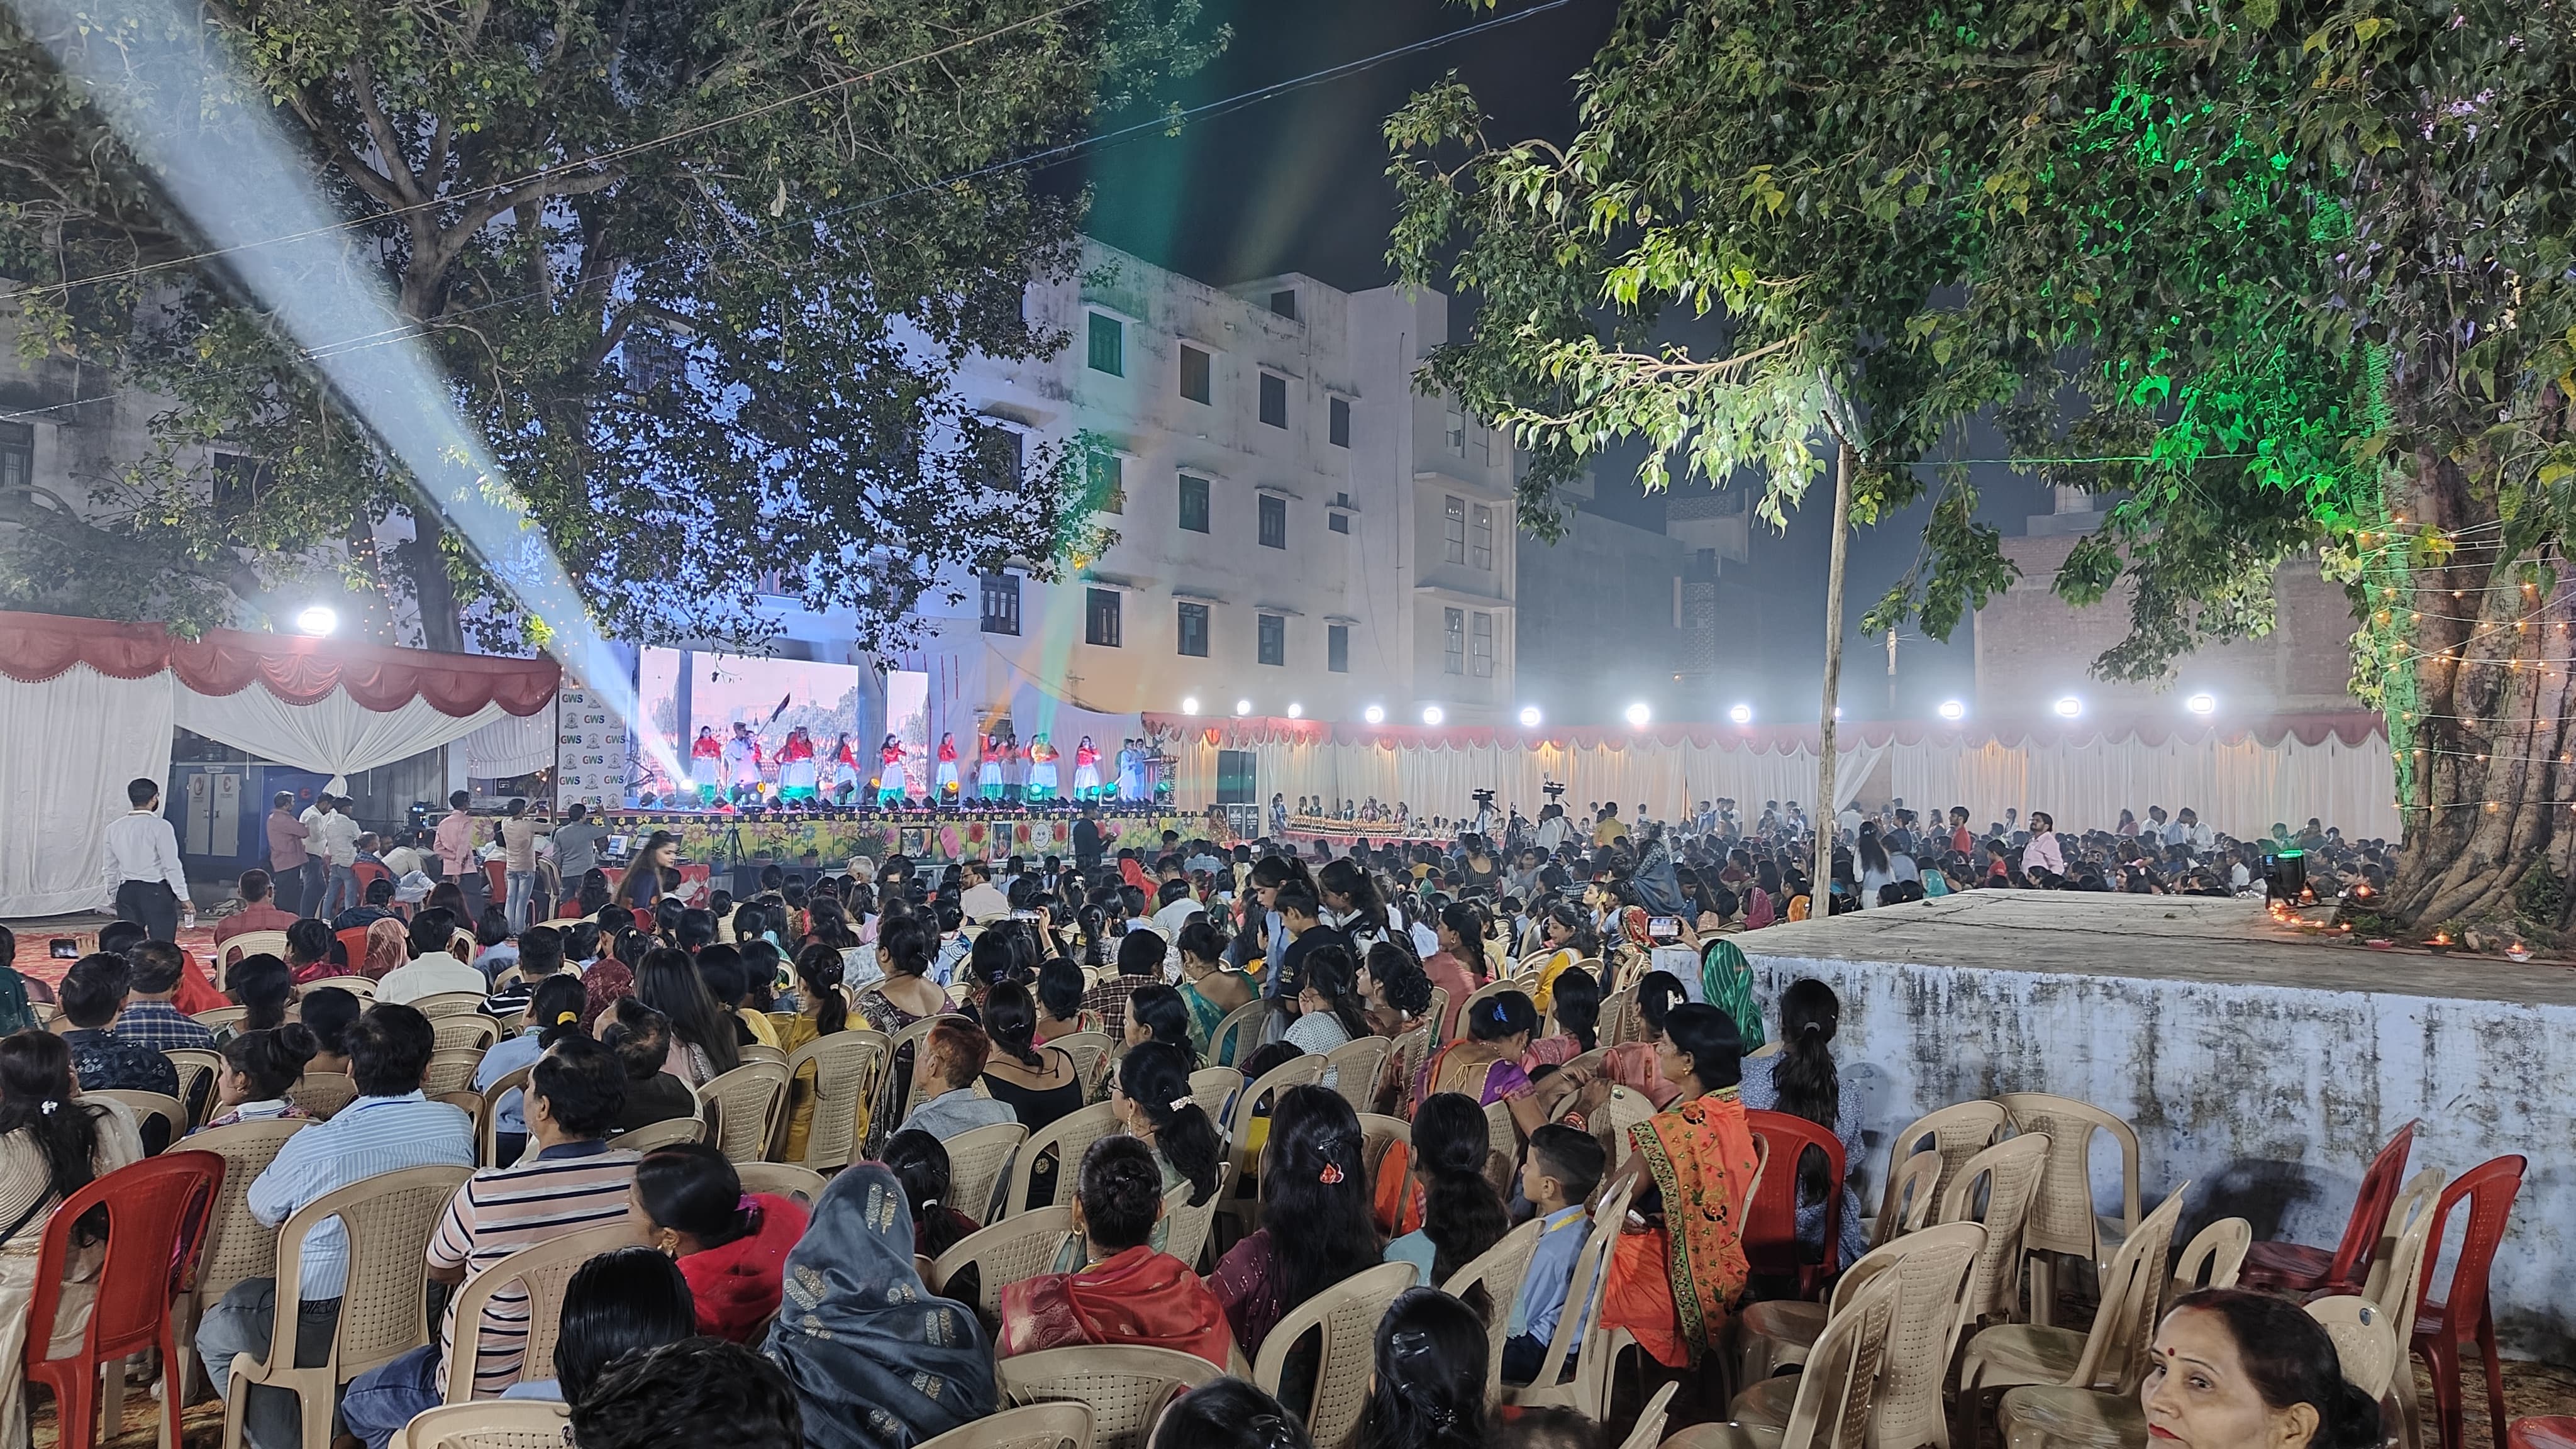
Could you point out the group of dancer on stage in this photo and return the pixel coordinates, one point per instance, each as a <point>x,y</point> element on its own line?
<point>741,771</point>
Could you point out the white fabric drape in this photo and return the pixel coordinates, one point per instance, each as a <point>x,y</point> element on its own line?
<point>335,734</point>
<point>67,748</point>
<point>511,745</point>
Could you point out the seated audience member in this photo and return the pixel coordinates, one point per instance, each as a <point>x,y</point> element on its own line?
<point>1140,963</point>
<point>1429,1388</point>
<point>388,947</point>
<point>265,988</point>
<point>572,1182</point>
<point>328,1012</point>
<point>1156,1013</point>
<point>1039,1084</point>
<point>93,992</point>
<point>1459,1213</point>
<point>149,1018</point>
<point>953,1055</point>
<point>1059,997</point>
<point>1553,1428</point>
<point>821,1011</point>
<point>1128,1292</point>
<point>390,1127</point>
<point>1486,1065</point>
<point>1698,1150</point>
<point>541,957</point>
<point>1314,1186</point>
<point>259,910</point>
<point>311,951</point>
<point>1227,1413</point>
<point>1330,1011</point>
<point>52,1144</point>
<point>378,906</point>
<point>1578,1013</point>
<point>731,1246</point>
<point>1564,1166</point>
<point>1150,1094</point>
<point>494,952</point>
<point>641,1037</point>
<point>260,1068</point>
<point>557,1002</point>
<point>920,1163</point>
<point>875,1358</point>
<point>618,1303</point>
<point>431,971</point>
<point>1396,988</point>
<point>700,1393</point>
<point>1632,1064</point>
<point>1801,1080</point>
<point>16,1015</point>
<point>2231,1367</point>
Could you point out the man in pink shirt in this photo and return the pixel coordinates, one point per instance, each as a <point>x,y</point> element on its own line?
<point>286,852</point>
<point>454,846</point>
<point>258,912</point>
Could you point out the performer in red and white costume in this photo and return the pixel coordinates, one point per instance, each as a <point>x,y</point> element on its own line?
<point>890,782</point>
<point>796,772</point>
<point>1086,770</point>
<point>947,777</point>
<point>706,764</point>
<point>845,777</point>
<point>988,771</point>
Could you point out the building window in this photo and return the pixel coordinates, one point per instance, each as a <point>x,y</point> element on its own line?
<point>1108,345</point>
<point>1001,603</point>
<point>1274,399</point>
<point>1337,648</point>
<point>1483,439</point>
<point>1274,521</point>
<point>1284,303</point>
<point>1100,617</point>
<point>1194,374</point>
<point>1106,487</point>
<point>1001,457</point>
<point>1480,648</point>
<point>1194,630</point>
<point>17,460</point>
<point>1194,503</point>
<point>1480,540</point>
<point>1338,522</point>
<point>1272,642</point>
<point>1340,432</point>
<point>1457,434</point>
<point>1453,641</point>
<point>1453,530</point>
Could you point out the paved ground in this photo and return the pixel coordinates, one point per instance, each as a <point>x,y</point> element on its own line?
<point>2177,938</point>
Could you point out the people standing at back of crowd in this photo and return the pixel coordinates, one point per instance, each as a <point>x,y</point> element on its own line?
<point>1876,873</point>
<point>144,881</point>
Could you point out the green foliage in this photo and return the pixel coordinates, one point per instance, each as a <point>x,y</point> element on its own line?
<point>693,268</point>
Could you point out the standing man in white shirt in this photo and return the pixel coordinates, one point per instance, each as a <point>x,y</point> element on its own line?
<point>143,872</point>
<point>332,835</point>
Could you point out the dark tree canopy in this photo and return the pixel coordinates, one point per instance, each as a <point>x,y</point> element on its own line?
<point>699,271</point>
<point>2283,279</point>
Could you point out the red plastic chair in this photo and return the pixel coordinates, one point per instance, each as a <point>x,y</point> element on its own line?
<point>368,873</point>
<point>498,873</point>
<point>156,1215</point>
<point>2558,1431</point>
<point>353,944</point>
<point>2295,1268</point>
<point>2440,1323</point>
<point>1771,1246</point>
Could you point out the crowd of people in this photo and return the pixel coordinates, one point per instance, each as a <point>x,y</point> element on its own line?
<point>752,1319</point>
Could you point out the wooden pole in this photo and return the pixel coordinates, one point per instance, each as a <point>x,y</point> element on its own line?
<point>1821,893</point>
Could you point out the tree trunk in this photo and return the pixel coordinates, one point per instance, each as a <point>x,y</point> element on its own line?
<point>442,624</point>
<point>1821,895</point>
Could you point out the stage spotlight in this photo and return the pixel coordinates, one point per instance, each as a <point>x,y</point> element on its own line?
<point>2069,707</point>
<point>1431,714</point>
<point>1638,714</point>
<point>1243,706</point>
<point>1374,714</point>
<point>1190,704</point>
<point>2202,704</point>
<point>1953,711</point>
<point>318,620</point>
<point>1529,716</point>
<point>1742,714</point>
<point>1296,710</point>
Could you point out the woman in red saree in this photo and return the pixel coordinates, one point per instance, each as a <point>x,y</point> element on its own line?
<point>1674,1285</point>
<point>1130,1294</point>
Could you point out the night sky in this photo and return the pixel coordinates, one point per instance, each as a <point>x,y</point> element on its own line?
<point>1296,183</point>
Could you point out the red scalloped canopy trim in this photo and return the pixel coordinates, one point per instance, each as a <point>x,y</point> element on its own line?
<point>38,647</point>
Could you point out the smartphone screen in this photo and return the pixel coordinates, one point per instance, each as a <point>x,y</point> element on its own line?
<point>1664,928</point>
<point>64,948</point>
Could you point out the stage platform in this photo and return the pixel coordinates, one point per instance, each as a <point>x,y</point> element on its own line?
<point>2264,1067</point>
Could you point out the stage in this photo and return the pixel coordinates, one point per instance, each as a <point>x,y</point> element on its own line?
<point>826,842</point>
<point>2263,1066</point>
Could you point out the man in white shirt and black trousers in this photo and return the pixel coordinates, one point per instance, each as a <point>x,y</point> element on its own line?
<point>143,866</point>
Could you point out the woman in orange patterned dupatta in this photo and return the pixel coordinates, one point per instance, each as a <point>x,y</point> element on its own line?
<point>1674,1286</point>
<point>1129,1293</point>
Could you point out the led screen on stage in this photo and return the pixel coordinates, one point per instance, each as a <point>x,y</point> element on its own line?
<point>742,727</point>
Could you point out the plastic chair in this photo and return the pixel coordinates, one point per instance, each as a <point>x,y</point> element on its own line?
<point>490,1424</point>
<point>357,986</point>
<point>219,1017</point>
<point>1831,1410</point>
<point>1650,1420</point>
<point>2396,1277</point>
<point>1186,1225</point>
<point>1581,1340</point>
<point>1346,1315</point>
<point>1434,1014</point>
<point>978,1160</point>
<point>1958,1132</point>
<point>1296,1072</point>
<point>449,1003</point>
<point>1035,1426</point>
<point>2440,1323</point>
<point>1500,1270</point>
<point>460,1032</point>
<point>1770,1238</point>
<point>149,1107</point>
<point>353,945</point>
<point>2062,1219</point>
<point>1355,1068</point>
<point>747,1103</point>
<point>782,1179</point>
<point>2549,1431</point>
<point>1013,1250</point>
<point>323,1094</point>
<point>247,944</point>
<point>1378,1135</point>
<point>1628,1108</point>
<point>2010,1171</point>
<point>1909,1199</point>
<point>1124,1385</point>
<point>1090,1053</point>
<point>487,1118</point>
<point>196,1067</point>
<point>156,1220</point>
<point>1933,1269</point>
<point>2113,1356</point>
<point>450,1071</point>
<point>1070,1135</point>
<point>1405,1056</point>
<point>1212,1088</point>
<point>1619,1021</point>
<point>383,1310</point>
<point>663,1134</point>
<point>2294,1268</point>
<point>238,1246</point>
<point>2214,1258</point>
<point>2365,1339</point>
<point>849,1072</point>
<point>543,1272</point>
<point>1239,1034</point>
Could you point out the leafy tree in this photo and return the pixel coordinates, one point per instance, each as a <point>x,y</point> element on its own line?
<point>700,271</point>
<point>2278,277</point>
